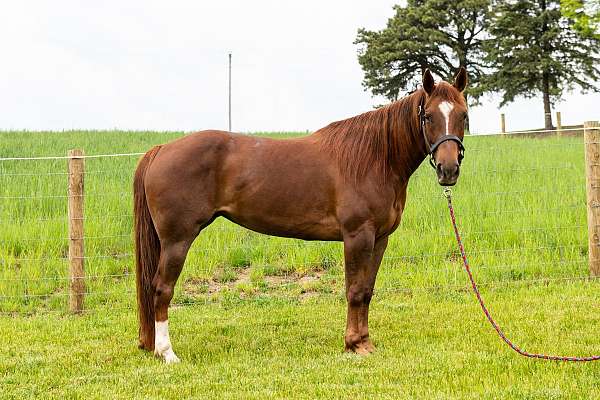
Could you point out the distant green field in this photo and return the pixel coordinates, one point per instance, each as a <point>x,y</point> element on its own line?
<point>522,213</point>
<point>520,204</point>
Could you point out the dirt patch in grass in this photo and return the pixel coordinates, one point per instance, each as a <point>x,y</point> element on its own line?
<point>307,285</point>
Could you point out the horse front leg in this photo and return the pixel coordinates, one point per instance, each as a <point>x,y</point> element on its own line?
<point>378,250</point>
<point>358,254</point>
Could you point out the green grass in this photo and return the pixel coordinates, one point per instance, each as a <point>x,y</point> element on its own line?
<point>430,345</point>
<point>264,316</point>
<point>520,204</point>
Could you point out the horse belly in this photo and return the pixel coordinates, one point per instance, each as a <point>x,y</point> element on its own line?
<point>278,219</point>
<point>306,230</point>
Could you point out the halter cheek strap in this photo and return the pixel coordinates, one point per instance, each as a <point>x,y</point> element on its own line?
<point>433,147</point>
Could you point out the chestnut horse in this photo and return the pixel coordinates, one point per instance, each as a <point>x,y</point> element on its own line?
<point>346,182</point>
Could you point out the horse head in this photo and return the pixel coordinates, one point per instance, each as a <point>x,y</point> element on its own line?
<point>442,114</point>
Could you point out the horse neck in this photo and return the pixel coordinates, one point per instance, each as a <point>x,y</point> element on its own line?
<point>413,149</point>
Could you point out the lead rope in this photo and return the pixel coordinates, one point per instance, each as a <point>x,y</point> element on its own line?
<point>448,195</point>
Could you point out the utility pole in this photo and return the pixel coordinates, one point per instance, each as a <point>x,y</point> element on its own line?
<point>229,92</point>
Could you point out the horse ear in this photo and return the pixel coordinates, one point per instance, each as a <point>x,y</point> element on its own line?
<point>428,82</point>
<point>461,79</point>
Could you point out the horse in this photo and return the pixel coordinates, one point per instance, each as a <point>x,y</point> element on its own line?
<point>345,182</point>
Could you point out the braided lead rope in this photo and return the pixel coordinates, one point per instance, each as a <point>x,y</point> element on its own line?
<point>448,195</point>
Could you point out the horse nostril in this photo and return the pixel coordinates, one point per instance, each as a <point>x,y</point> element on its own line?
<point>456,168</point>
<point>438,168</point>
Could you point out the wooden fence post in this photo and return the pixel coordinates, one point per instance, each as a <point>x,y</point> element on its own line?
<point>503,123</point>
<point>558,124</point>
<point>591,138</point>
<point>76,249</point>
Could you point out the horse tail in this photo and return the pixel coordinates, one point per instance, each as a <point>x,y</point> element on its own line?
<point>147,253</point>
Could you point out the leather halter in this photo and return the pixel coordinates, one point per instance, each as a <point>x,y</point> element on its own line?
<point>431,148</point>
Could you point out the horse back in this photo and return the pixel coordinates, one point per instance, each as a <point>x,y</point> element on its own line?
<point>278,187</point>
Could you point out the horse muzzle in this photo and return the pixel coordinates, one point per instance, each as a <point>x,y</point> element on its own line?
<point>447,173</point>
<point>447,168</point>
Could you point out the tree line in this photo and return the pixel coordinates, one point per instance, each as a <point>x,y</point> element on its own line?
<point>514,48</point>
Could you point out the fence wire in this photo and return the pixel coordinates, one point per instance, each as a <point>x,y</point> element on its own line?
<point>520,202</point>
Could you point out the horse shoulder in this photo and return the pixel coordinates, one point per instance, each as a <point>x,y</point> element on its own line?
<point>372,203</point>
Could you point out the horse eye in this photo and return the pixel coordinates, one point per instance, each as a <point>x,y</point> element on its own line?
<point>428,118</point>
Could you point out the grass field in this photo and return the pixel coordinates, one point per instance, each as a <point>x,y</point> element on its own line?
<point>430,346</point>
<point>262,316</point>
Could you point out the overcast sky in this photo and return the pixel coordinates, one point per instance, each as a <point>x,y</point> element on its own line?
<point>162,65</point>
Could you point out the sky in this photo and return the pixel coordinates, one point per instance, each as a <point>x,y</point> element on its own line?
<point>158,65</point>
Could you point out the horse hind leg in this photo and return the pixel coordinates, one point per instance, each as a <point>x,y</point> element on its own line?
<point>172,258</point>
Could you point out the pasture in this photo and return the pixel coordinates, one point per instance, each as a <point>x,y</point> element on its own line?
<point>259,316</point>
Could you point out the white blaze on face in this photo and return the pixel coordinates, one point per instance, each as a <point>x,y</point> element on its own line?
<point>162,343</point>
<point>446,108</point>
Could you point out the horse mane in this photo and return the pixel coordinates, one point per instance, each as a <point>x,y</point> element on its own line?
<point>372,141</point>
<point>380,139</point>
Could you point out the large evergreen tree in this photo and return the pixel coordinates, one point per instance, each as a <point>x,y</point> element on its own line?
<point>536,50</point>
<point>585,13</point>
<point>441,35</point>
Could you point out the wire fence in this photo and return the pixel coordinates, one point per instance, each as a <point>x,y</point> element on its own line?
<point>521,203</point>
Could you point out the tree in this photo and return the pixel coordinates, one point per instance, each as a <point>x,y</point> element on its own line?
<point>535,49</point>
<point>441,35</point>
<point>585,14</point>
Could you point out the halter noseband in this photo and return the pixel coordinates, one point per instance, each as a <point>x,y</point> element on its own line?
<point>432,148</point>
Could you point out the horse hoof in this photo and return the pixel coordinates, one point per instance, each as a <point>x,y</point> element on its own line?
<point>362,351</point>
<point>169,357</point>
<point>362,348</point>
<point>368,346</point>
